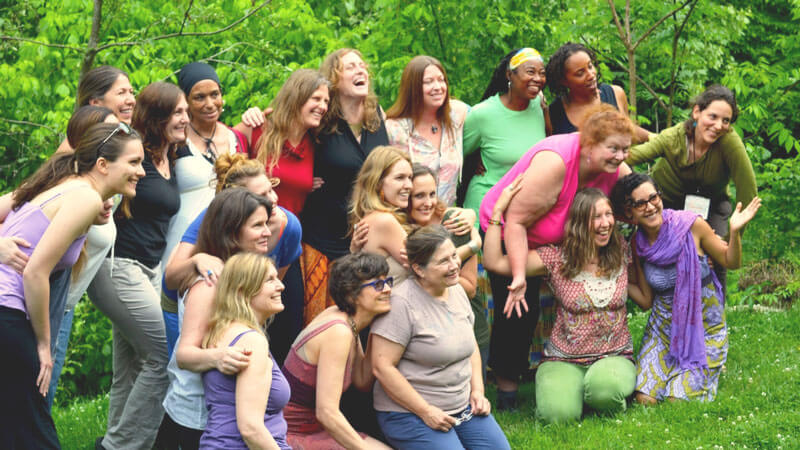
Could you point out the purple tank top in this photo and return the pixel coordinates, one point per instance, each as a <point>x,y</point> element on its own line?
<point>222,431</point>
<point>29,222</point>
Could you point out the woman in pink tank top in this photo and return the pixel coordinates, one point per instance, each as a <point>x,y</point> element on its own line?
<point>327,356</point>
<point>552,172</point>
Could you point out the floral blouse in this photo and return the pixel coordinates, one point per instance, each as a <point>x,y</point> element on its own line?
<point>591,318</point>
<point>446,161</point>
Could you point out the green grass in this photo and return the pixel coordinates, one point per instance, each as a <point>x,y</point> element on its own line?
<point>757,406</point>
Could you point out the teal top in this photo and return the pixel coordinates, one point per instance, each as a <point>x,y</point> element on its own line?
<point>503,136</point>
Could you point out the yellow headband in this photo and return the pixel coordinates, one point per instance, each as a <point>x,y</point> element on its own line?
<point>525,54</point>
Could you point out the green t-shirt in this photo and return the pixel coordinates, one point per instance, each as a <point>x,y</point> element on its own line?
<point>503,136</point>
<point>708,176</point>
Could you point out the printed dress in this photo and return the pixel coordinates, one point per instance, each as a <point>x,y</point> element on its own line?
<point>658,375</point>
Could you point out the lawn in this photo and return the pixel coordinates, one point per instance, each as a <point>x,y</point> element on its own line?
<point>758,404</point>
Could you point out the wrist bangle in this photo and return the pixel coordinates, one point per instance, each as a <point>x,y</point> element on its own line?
<point>473,247</point>
<point>494,222</point>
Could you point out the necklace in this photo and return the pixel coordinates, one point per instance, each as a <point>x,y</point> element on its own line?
<point>352,324</point>
<point>434,129</point>
<point>209,154</point>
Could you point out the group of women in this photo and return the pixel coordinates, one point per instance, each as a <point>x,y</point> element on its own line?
<point>258,276</point>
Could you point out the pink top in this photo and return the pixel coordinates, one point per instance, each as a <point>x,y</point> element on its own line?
<point>549,229</point>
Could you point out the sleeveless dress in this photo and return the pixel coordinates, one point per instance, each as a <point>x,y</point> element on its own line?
<point>305,432</point>
<point>657,375</point>
<point>222,431</point>
<point>558,115</point>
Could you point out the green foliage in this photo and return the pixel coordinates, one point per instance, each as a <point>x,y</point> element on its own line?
<point>87,369</point>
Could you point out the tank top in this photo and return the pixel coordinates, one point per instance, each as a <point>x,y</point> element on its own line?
<point>558,115</point>
<point>222,431</point>
<point>549,229</point>
<point>29,222</point>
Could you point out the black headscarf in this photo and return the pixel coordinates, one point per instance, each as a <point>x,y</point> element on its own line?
<point>194,73</point>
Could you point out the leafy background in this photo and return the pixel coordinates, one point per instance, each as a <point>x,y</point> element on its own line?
<point>751,46</point>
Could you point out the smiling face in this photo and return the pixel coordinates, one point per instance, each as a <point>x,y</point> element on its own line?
<point>119,99</point>
<point>423,199</point>
<point>254,235</point>
<point>126,170</point>
<point>712,122</point>
<point>443,268</point>
<point>260,185</point>
<point>373,301</point>
<point>434,88</point>
<point>580,73</point>
<point>645,207</point>
<point>396,185</point>
<point>528,79</point>
<point>105,214</point>
<point>315,107</point>
<point>606,156</point>
<point>602,224</point>
<point>267,301</point>
<point>205,102</point>
<point>176,126</point>
<point>353,76</point>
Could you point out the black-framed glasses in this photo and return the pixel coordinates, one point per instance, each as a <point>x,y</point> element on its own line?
<point>380,284</point>
<point>640,205</point>
<point>123,127</point>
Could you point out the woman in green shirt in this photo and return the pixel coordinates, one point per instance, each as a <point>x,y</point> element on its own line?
<point>698,158</point>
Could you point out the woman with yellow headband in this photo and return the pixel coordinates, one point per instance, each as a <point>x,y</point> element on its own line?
<point>511,118</point>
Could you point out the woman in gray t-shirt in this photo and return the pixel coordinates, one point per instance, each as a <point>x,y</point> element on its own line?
<point>430,391</point>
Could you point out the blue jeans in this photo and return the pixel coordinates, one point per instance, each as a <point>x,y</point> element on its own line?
<point>408,431</point>
<point>60,355</point>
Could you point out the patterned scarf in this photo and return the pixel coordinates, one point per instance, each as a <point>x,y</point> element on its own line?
<point>675,245</point>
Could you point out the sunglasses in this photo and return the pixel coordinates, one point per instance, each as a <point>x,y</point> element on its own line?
<point>121,127</point>
<point>641,205</point>
<point>380,284</point>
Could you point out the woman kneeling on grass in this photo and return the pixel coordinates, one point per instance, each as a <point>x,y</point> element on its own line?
<point>245,410</point>
<point>685,341</point>
<point>588,357</point>
<point>426,358</point>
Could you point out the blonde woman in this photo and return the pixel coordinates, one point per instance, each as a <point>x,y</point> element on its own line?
<point>245,411</point>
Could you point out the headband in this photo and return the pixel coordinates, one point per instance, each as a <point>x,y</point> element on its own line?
<point>523,55</point>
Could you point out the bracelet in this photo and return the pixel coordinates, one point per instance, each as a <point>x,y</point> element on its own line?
<point>473,247</point>
<point>494,222</point>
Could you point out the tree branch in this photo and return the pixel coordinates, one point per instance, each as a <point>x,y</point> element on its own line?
<point>186,16</point>
<point>659,22</point>
<point>31,124</point>
<point>620,30</point>
<point>44,44</point>
<point>181,33</point>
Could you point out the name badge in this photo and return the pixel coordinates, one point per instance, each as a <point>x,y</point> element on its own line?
<point>697,205</point>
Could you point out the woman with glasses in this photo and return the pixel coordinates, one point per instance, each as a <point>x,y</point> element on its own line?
<point>552,172</point>
<point>430,391</point>
<point>327,357</point>
<point>52,210</point>
<point>127,288</point>
<point>685,341</point>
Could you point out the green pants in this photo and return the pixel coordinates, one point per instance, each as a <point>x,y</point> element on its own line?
<point>562,388</point>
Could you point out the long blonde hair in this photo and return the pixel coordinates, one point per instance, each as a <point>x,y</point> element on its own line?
<point>367,196</point>
<point>286,106</point>
<point>331,68</point>
<point>242,278</point>
<point>579,247</point>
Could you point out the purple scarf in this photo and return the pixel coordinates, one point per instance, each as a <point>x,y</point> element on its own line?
<point>675,245</point>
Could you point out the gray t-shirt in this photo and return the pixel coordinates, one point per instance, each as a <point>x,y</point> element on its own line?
<point>438,342</point>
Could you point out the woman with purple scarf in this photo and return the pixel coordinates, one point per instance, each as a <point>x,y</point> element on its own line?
<point>685,341</point>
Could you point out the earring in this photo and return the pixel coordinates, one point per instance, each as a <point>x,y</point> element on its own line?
<point>694,124</point>
<point>509,85</point>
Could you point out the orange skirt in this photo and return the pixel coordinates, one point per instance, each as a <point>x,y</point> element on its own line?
<point>315,268</point>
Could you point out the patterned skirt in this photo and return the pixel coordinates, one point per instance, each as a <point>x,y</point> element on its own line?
<point>658,375</point>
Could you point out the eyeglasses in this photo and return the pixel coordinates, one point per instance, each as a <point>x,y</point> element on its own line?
<point>640,205</point>
<point>380,283</point>
<point>463,417</point>
<point>123,127</point>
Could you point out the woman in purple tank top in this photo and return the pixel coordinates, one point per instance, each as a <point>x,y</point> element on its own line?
<point>52,210</point>
<point>327,356</point>
<point>245,410</point>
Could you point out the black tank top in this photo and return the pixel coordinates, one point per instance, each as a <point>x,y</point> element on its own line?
<point>558,116</point>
